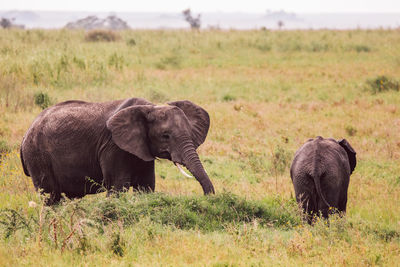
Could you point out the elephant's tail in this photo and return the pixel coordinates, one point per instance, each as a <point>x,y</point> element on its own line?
<point>23,163</point>
<point>317,181</point>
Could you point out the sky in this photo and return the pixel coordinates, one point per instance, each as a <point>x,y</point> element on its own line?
<point>250,6</point>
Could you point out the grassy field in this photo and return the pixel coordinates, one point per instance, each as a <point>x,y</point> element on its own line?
<point>267,92</point>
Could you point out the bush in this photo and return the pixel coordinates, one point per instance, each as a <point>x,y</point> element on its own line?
<point>228,97</point>
<point>350,130</point>
<point>382,83</point>
<point>131,42</point>
<point>362,48</point>
<point>42,100</point>
<point>101,36</point>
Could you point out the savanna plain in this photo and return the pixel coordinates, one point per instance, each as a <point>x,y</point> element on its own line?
<point>267,92</point>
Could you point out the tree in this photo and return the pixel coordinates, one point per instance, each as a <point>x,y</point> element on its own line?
<point>280,24</point>
<point>194,22</point>
<point>5,23</point>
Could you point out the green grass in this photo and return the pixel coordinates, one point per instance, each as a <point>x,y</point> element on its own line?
<point>267,92</point>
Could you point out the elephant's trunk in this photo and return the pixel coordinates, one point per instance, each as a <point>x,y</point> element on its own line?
<point>192,162</point>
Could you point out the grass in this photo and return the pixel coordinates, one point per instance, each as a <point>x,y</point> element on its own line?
<point>267,92</point>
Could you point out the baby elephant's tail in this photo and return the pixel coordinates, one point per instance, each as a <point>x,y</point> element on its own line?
<point>317,181</point>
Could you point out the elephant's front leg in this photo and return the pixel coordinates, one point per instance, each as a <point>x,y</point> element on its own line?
<point>145,177</point>
<point>117,172</point>
<point>116,182</point>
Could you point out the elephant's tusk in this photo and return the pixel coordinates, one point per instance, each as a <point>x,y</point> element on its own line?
<point>182,171</point>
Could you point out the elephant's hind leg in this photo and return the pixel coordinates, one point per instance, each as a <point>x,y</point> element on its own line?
<point>46,186</point>
<point>307,204</point>
<point>45,182</point>
<point>343,204</point>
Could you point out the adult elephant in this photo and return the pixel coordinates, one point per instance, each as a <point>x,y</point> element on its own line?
<point>77,147</point>
<point>320,174</point>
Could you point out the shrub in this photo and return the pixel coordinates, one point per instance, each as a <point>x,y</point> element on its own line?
<point>101,36</point>
<point>381,84</point>
<point>362,48</point>
<point>228,97</point>
<point>131,42</point>
<point>350,130</point>
<point>42,100</point>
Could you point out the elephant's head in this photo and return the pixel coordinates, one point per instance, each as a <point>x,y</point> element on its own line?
<point>172,132</point>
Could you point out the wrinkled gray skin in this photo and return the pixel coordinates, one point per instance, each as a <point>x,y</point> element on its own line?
<point>320,174</point>
<point>114,143</point>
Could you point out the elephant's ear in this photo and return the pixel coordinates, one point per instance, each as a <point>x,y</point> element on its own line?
<point>350,153</point>
<point>128,130</point>
<point>198,118</point>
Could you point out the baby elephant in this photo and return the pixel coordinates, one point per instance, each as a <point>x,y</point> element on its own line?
<point>320,174</point>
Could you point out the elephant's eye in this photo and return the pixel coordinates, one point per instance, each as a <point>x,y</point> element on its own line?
<point>165,136</point>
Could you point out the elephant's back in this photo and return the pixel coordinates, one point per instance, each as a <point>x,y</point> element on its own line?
<point>66,126</point>
<point>71,115</point>
<point>319,154</point>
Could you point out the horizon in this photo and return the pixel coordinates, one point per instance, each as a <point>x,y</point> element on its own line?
<point>200,12</point>
<point>243,20</point>
<point>205,6</point>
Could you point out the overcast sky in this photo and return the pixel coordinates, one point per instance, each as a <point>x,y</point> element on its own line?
<point>299,6</point>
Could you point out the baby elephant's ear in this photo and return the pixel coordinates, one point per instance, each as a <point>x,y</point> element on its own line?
<point>128,130</point>
<point>198,118</point>
<point>350,153</point>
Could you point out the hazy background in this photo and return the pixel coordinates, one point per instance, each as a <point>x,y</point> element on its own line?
<point>152,14</point>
